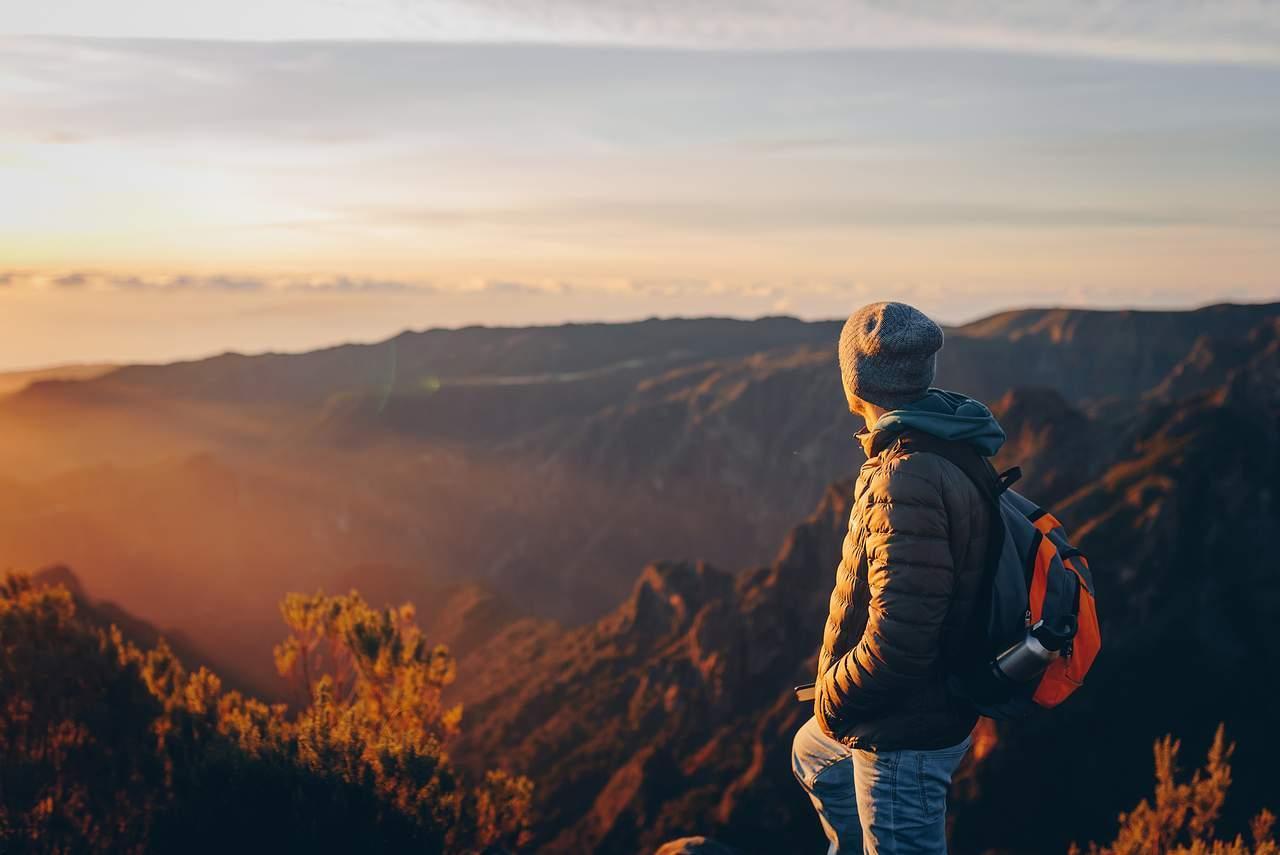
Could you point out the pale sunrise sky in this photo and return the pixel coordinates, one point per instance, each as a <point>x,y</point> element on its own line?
<point>178,179</point>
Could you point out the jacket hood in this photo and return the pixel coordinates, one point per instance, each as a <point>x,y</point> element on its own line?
<point>947,415</point>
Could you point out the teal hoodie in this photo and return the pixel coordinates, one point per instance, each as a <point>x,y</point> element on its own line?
<point>947,415</point>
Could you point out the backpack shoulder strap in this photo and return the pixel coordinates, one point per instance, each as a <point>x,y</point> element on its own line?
<point>990,486</point>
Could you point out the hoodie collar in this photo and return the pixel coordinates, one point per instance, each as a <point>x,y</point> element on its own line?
<point>945,415</point>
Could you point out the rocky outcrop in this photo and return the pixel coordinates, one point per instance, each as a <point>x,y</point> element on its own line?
<point>1057,446</point>
<point>669,712</point>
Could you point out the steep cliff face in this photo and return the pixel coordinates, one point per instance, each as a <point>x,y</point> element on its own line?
<point>673,716</point>
<point>1214,358</point>
<point>1092,355</point>
<point>1057,446</point>
<point>670,712</point>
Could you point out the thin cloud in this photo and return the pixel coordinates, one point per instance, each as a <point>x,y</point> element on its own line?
<point>755,217</point>
<point>351,285</point>
<point>1184,30</point>
<point>299,288</point>
<point>665,287</point>
<point>223,284</point>
<point>70,280</point>
<point>518,288</point>
<point>208,284</point>
<point>509,289</point>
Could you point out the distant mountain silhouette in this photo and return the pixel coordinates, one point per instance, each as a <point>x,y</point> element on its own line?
<point>16,381</point>
<point>671,714</point>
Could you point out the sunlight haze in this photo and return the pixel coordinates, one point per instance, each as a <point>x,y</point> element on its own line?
<point>286,175</point>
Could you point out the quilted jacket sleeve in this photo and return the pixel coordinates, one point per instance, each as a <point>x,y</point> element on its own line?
<point>910,579</point>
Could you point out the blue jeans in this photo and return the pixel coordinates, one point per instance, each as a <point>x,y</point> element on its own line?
<point>878,803</point>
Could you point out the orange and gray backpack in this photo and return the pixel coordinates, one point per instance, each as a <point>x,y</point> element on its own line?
<point>1032,574</point>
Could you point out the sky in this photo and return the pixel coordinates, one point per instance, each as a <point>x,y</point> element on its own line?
<point>185,179</point>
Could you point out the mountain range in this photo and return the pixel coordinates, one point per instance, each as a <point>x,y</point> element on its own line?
<point>571,508</point>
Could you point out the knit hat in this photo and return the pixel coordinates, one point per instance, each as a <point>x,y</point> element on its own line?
<point>887,354</point>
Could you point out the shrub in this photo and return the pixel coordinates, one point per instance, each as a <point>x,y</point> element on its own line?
<point>1181,818</point>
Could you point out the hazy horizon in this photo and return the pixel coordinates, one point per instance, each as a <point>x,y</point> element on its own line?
<point>276,176</point>
<point>116,362</point>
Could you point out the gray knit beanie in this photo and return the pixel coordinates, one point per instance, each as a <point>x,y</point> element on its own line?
<point>887,354</point>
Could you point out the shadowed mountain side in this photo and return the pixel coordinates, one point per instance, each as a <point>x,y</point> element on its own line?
<point>1058,448</point>
<point>705,422</point>
<point>1089,355</point>
<point>1212,359</point>
<point>1181,534</point>
<point>652,722</point>
<point>472,412</point>
<point>672,716</point>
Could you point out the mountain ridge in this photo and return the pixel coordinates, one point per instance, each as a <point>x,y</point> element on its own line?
<point>185,505</point>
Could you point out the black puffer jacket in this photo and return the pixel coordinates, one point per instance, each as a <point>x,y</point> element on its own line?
<point>905,588</point>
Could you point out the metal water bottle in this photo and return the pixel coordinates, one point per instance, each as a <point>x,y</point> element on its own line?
<point>1044,642</point>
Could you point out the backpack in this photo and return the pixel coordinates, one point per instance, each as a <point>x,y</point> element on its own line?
<point>1031,572</point>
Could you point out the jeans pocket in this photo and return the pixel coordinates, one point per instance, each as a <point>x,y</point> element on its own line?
<point>933,772</point>
<point>930,805</point>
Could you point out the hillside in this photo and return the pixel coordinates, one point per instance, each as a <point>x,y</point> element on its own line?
<point>104,614</point>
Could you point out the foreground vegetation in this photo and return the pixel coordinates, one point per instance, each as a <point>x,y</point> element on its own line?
<point>108,748</point>
<point>1182,817</point>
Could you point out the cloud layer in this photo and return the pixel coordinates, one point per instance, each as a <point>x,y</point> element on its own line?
<point>1181,30</point>
<point>166,198</point>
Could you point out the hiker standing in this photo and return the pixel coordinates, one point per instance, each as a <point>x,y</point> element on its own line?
<point>886,735</point>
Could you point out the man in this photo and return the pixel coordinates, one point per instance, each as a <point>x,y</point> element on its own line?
<point>877,757</point>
